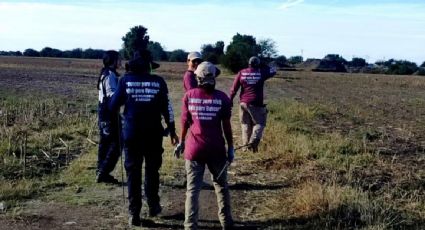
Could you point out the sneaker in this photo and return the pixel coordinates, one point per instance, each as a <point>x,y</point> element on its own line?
<point>134,220</point>
<point>155,210</point>
<point>102,178</point>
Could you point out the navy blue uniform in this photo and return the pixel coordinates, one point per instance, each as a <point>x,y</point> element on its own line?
<point>108,152</point>
<point>146,102</point>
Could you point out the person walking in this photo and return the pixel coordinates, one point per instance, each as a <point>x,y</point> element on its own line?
<point>145,99</point>
<point>252,111</point>
<point>189,80</point>
<point>205,118</point>
<point>108,152</point>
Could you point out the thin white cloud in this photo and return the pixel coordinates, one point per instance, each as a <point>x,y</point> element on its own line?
<point>290,3</point>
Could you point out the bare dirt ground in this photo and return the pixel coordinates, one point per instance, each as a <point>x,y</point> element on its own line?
<point>396,123</point>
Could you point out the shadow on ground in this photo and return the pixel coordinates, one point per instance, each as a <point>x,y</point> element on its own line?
<point>342,217</point>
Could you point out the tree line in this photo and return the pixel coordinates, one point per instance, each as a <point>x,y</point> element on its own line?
<point>234,57</point>
<point>178,55</point>
<point>359,65</point>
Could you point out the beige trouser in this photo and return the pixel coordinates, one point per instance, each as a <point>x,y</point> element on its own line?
<point>195,173</point>
<point>253,121</point>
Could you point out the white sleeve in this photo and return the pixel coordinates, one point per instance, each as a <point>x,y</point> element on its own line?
<point>111,84</point>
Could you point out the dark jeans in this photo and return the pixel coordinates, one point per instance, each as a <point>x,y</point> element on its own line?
<point>137,150</point>
<point>109,150</point>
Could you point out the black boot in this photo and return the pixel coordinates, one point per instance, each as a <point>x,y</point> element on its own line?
<point>134,220</point>
<point>106,178</point>
<point>155,210</point>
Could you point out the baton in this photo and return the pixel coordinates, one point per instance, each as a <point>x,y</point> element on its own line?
<point>224,168</point>
<point>228,163</point>
<point>243,146</point>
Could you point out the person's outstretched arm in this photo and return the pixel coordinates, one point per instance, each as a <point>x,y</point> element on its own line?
<point>268,72</point>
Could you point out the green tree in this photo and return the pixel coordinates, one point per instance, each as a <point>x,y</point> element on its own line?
<point>295,60</point>
<point>402,67</point>
<point>74,53</point>
<point>93,53</point>
<point>333,63</point>
<point>219,48</point>
<point>267,49</point>
<point>213,53</point>
<point>10,53</point>
<point>357,62</point>
<point>239,51</point>
<point>335,58</point>
<point>157,52</point>
<point>281,61</point>
<point>31,53</point>
<point>135,40</point>
<point>423,65</point>
<point>178,55</point>
<point>399,67</point>
<point>77,53</point>
<point>50,52</point>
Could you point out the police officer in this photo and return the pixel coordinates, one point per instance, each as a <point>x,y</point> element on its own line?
<point>108,152</point>
<point>252,111</point>
<point>145,97</point>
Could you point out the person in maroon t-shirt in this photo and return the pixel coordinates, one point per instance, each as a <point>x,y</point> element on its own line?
<point>205,117</point>
<point>252,112</point>
<point>189,80</point>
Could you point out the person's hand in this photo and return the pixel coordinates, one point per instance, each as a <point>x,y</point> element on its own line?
<point>230,154</point>
<point>174,139</point>
<point>179,149</point>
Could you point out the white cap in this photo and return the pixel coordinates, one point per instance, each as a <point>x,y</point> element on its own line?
<point>194,55</point>
<point>206,73</point>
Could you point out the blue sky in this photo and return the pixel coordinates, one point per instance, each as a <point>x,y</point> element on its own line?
<point>374,29</point>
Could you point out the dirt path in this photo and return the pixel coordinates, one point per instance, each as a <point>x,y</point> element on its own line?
<point>47,214</point>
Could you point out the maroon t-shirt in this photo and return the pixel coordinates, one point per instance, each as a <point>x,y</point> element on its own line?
<point>203,113</point>
<point>189,80</point>
<point>251,81</point>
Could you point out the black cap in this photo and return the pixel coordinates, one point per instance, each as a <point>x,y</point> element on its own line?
<point>254,61</point>
<point>142,62</point>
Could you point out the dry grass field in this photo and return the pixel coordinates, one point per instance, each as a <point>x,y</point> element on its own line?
<point>341,151</point>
